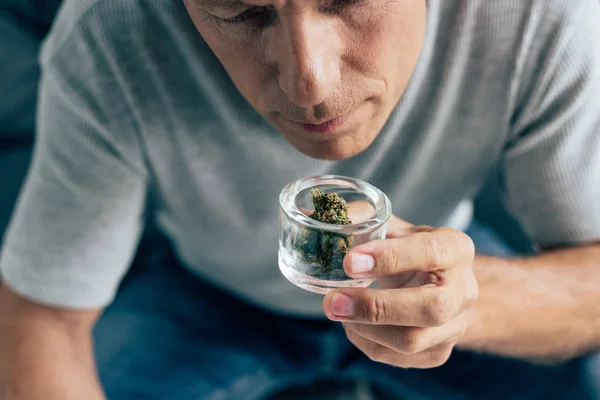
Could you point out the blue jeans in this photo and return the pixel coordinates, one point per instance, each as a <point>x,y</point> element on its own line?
<point>171,336</point>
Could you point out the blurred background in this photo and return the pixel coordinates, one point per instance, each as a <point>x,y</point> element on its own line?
<point>23,26</point>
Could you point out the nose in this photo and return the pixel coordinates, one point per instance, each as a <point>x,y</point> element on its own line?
<point>307,58</point>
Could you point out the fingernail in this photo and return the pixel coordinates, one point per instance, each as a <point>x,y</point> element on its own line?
<point>361,263</point>
<point>342,305</point>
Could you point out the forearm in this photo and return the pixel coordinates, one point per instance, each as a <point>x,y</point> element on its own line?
<point>542,308</point>
<point>43,356</point>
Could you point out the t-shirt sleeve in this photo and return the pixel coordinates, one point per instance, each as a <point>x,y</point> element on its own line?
<point>551,169</point>
<point>80,213</point>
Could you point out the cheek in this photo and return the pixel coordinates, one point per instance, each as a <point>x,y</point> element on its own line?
<point>248,73</point>
<point>386,42</point>
<point>404,45</point>
<point>244,67</point>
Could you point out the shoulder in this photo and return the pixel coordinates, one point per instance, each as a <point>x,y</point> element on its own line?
<point>108,25</point>
<point>100,46</point>
<point>552,12</point>
<point>513,40</point>
<point>511,20</point>
<point>535,25</point>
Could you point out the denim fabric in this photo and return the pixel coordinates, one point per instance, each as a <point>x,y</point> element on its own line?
<point>171,336</point>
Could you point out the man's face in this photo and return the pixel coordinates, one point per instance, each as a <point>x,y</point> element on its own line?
<point>326,73</point>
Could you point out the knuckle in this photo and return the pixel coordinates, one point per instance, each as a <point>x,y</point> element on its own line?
<point>441,307</point>
<point>458,334</point>
<point>463,247</point>
<point>401,362</point>
<point>440,357</point>
<point>410,342</point>
<point>377,310</point>
<point>471,291</point>
<point>378,354</point>
<point>433,252</point>
<point>466,246</point>
<point>423,228</point>
<point>470,248</point>
<point>391,258</point>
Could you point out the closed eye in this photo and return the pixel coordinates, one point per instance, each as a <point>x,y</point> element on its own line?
<point>337,6</point>
<point>262,16</point>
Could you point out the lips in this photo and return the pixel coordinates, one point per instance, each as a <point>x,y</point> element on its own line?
<point>328,126</point>
<point>322,126</point>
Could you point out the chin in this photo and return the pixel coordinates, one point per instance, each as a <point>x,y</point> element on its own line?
<point>332,150</point>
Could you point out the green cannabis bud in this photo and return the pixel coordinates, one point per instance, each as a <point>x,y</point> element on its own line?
<point>326,249</point>
<point>329,208</point>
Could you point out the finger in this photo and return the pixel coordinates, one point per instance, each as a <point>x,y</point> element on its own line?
<point>417,307</point>
<point>428,359</point>
<point>360,211</point>
<point>409,340</point>
<point>397,228</point>
<point>306,211</point>
<point>437,250</point>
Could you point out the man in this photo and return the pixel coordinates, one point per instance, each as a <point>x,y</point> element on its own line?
<point>206,109</point>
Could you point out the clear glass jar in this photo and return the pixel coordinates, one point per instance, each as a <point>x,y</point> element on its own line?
<point>311,252</point>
